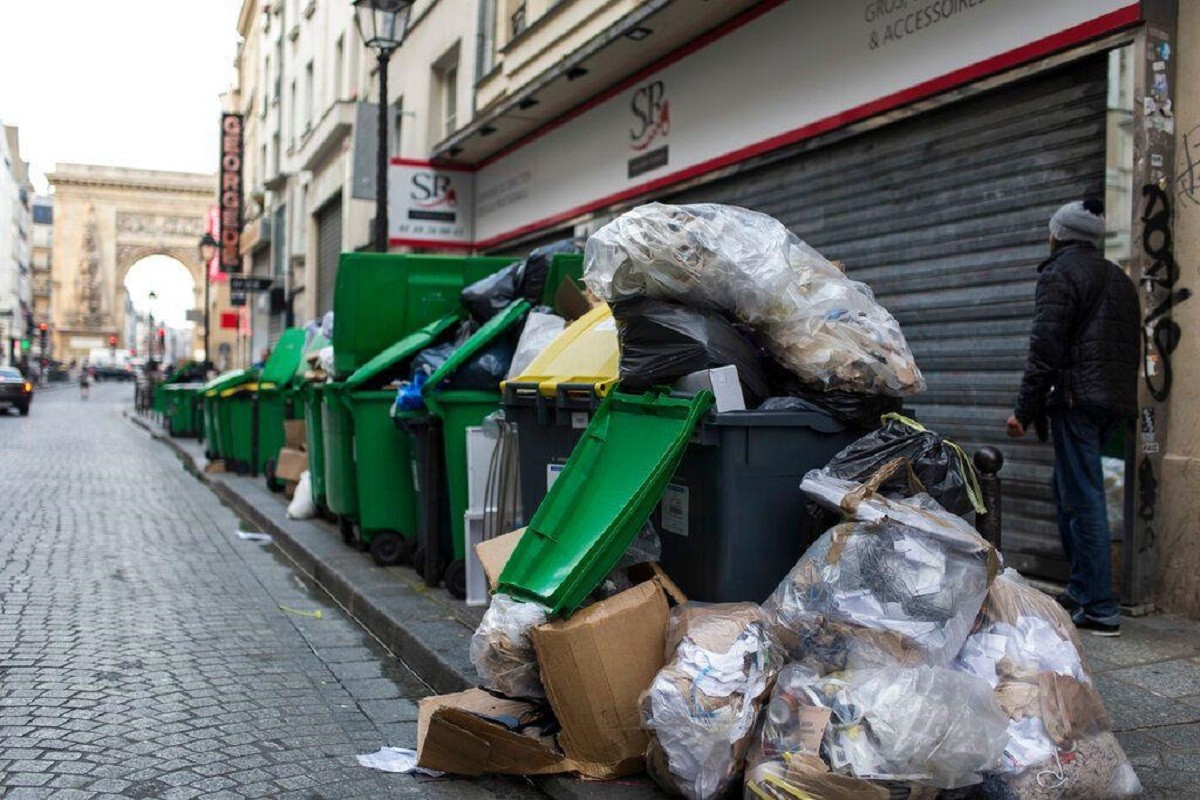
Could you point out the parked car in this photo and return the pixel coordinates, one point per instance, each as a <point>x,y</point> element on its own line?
<point>113,372</point>
<point>15,391</point>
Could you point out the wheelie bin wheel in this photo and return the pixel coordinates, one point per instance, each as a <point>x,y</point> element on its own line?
<point>418,560</point>
<point>346,528</point>
<point>389,548</point>
<point>455,578</point>
<point>273,484</point>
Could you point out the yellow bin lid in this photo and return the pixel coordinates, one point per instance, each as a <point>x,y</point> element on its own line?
<point>585,355</point>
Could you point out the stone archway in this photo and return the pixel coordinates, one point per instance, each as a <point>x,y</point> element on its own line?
<point>106,219</point>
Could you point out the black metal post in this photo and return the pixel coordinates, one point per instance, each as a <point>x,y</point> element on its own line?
<point>988,462</point>
<point>207,311</point>
<point>381,163</point>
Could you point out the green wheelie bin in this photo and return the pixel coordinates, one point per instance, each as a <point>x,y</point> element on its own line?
<point>314,442</point>
<point>274,403</point>
<point>237,410</point>
<point>183,412</point>
<point>216,439</point>
<point>378,299</point>
<point>457,410</point>
<point>387,503</point>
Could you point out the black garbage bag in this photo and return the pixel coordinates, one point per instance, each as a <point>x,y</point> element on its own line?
<point>853,410</point>
<point>939,464</point>
<point>430,360</point>
<point>661,342</point>
<point>489,296</point>
<point>537,267</point>
<point>484,370</point>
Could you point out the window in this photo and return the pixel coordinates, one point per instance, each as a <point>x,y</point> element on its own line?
<point>266,86</point>
<point>517,20</point>
<point>295,113</point>
<point>398,127</point>
<point>43,215</point>
<point>309,98</point>
<point>262,166</point>
<point>339,58</point>
<point>485,56</point>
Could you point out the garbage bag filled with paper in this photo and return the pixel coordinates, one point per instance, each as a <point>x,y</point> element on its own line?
<point>825,328</point>
<point>702,707</point>
<point>502,650</point>
<point>1058,742</point>
<point>899,583</point>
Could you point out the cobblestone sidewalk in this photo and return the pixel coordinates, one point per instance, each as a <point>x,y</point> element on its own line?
<point>146,651</point>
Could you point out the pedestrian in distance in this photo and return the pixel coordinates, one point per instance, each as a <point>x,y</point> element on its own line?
<point>1081,375</point>
<point>85,380</point>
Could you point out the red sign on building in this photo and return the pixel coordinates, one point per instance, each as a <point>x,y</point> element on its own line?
<point>231,192</point>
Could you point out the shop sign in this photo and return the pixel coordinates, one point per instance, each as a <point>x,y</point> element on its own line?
<point>430,205</point>
<point>786,72</point>
<point>231,192</point>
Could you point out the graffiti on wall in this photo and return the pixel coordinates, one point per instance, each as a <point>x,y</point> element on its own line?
<point>1162,334</point>
<point>1188,177</point>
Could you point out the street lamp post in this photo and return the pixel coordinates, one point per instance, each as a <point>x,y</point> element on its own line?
<point>208,249</point>
<point>382,24</point>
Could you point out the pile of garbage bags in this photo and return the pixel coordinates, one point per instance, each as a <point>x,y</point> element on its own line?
<point>740,266</point>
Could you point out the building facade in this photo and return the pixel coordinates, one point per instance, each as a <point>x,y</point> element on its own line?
<point>16,197</point>
<point>924,147</point>
<point>40,272</point>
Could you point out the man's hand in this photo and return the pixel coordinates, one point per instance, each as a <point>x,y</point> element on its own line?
<point>1015,429</point>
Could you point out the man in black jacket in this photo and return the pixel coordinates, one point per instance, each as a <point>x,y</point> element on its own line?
<point>1082,374</point>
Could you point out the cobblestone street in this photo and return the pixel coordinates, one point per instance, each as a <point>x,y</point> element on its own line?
<point>146,651</point>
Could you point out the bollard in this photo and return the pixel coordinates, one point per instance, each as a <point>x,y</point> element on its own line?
<point>988,463</point>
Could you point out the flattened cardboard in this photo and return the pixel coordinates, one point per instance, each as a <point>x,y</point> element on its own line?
<point>294,434</point>
<point>494,553</point>
<point>595,665</point>
<point>454,737</point>
<point>291,464</point>
<point>570,300</point>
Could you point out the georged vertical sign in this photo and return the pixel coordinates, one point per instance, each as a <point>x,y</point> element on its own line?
<point>231,192</point>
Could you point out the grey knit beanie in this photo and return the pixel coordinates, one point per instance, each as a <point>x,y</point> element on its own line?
<point>1081,221</point>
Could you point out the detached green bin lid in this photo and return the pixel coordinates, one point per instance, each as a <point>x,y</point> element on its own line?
<point>491,330</point>
<point>402,350</point>
<point>281,364</point>
<point>227,380</point>
<point>604,495</point>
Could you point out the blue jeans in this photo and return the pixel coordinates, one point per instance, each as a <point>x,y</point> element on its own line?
<point>1080,434</point>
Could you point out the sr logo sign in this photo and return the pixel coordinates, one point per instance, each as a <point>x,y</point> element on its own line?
<point>433,197</point>
<point>651,113</point>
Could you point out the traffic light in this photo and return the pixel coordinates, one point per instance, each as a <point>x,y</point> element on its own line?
<point>43,333</point>
<point>25,345</point>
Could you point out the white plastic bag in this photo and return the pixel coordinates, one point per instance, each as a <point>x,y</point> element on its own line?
<point>302,505</point>
<point>325,360</point>
<point>502,651</point>
<point>827,329</point>
<point>539,331</point>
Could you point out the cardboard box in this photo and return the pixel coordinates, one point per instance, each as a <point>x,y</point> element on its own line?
<point>572,302</point>
<point>594,665</point>
<point>291,464</point>
<point>723,382</point>
<point>295,434</point>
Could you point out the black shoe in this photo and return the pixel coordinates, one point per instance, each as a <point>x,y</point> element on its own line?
<point>1066,601</point>
<point>1086,623</point>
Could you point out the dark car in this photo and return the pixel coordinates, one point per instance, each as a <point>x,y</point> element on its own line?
<point>15,391</point>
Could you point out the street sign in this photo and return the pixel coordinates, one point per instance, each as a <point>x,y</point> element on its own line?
<point>195,315</point>
<point>237,298</point>
<point>242,285</point>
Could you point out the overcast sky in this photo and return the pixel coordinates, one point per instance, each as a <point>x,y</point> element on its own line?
<point>131,83</point>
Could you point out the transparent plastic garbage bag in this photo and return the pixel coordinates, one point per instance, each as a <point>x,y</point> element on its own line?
<point>825,328</point>
<point>702,707</point>
<point>502,650</point>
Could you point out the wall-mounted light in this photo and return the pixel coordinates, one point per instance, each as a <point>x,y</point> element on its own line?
<point>527,103</point>
<point>638,33</point>
<point>575,73</point>
<point>487,130</point>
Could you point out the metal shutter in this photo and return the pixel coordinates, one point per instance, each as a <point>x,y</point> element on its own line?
<point>329,249</point>
<point>260,317</point>
<point>945,216</point>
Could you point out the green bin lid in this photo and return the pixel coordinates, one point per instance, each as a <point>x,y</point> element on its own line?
<point>227,380</point>
<point>604,495</point>
<point>281,364</point>
<point>402,350</point>
<point>491,330</point>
